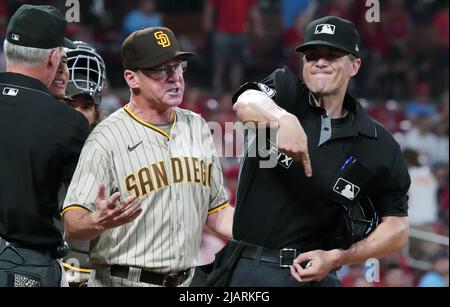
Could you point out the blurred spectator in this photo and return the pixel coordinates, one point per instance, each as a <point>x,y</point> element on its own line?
<point>354,272</point>
<point>420,138</point>
<point>444,105</point>
<point>443,210</point>
<point>389,114</point>
<point>396,22</point>
<point>293,35</point>
<point>421,104</point>
<point>439,154</point>
<point>143,16</point>
<point>265,40</point>
<point>373,37</point>
<point>441,173</point>
<point>340,8</point>
<point>422,204</point>
<point>395,276</point>
<point>291,9</point>
<point>194,100</point>
<point>440,25</point>
<point>438,277</point>
<point>227,22</point>
<point>361,282</point>
<point>3,17</point>
<point>110,102</point>
<point>422,193</point>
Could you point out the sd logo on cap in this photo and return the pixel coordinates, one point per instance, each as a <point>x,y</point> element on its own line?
<point>150,47</point>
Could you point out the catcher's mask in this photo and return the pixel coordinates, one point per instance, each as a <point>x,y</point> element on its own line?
<point>87,71</point>
<point>360,220</point>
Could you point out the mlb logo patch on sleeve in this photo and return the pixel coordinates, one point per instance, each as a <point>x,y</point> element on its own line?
<point>269,91</point>
<point>8,91</point>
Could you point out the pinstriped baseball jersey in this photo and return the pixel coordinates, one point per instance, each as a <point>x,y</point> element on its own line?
<point>177,177</point>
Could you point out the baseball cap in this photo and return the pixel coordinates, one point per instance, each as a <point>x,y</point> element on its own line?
<point>38,26</point>
<point>150,47</point>
<point>334,32</point>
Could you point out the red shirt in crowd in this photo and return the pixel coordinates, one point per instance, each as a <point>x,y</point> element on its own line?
<point>232,15</point>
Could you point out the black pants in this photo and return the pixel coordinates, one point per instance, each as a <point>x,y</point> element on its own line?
<point>200,275</point>
<point>255,273</point>
<point>21,267</point>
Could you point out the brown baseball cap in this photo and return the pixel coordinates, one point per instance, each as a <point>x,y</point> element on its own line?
<point>150,47</point>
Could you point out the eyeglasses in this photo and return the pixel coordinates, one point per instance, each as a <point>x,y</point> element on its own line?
<point>164,71</point>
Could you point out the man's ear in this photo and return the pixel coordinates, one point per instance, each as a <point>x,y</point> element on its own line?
<point>54,59</point>
<point>132,78</point>
<point>356,64</point>
<point>53,63</point>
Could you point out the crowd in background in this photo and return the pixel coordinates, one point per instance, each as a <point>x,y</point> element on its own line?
<point>403,83</point>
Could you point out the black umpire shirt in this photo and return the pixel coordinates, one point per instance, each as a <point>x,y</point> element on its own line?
<point>40,142</point>
<point>281,208</point>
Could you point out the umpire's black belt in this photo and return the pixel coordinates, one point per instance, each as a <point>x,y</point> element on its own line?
<point>284,257</point>
<point>165,280</point>
<point>55,253</point>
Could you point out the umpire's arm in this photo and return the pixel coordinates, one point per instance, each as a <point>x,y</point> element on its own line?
<point>389,237</point>
<point>256,107</point>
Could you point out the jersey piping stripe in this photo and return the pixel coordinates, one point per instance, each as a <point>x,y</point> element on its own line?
<point>69,267</point>
<point>218,208</point>
<point>134,116</point>
<point>74,207</point>
<point>26,88</point>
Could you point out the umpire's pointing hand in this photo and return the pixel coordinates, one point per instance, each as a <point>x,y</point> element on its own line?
<point>108,214</point>
<point>292,141</point>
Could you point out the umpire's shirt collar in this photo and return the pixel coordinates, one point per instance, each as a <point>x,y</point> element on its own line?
<point>361,123</point>
<point>20,80</point>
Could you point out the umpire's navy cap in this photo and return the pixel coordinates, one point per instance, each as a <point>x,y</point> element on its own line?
<point>334,32</point>
<point>38,26</point>
<point>150,47</point>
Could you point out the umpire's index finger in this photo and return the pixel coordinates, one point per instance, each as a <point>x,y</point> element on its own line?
<point>307,165</point>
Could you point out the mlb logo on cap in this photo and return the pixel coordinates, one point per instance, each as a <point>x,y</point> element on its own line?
<point>325,29</point>
<point>334,32</point>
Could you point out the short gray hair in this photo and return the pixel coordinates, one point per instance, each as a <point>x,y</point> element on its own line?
<point>21,55</point>
<point>352,57</point>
